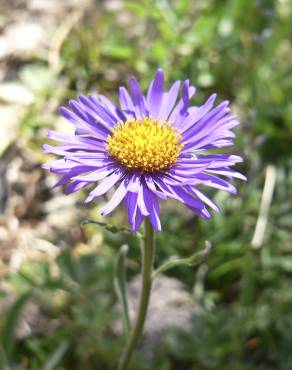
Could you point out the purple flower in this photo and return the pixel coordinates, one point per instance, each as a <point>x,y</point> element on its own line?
<point>149,148</point>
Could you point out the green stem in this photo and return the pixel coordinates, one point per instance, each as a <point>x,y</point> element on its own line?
<point>147,265</point>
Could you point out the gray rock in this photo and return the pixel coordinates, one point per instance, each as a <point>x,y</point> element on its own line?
<point>170,306</point>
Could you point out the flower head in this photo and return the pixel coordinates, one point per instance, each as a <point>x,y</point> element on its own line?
<point>149,148</point>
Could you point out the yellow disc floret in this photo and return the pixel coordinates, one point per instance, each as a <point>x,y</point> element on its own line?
<point>146,144</point>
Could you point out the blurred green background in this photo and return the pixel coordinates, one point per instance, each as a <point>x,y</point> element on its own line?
<point>58,305</point>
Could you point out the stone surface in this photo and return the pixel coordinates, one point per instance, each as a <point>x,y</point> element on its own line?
<point>170,306</point>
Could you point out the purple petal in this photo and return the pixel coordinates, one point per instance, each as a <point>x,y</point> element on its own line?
<point>112,108</point>
<point>142,201</point>
<point>202,143</point>
<point>134,184</point>
<point>152,207</point>
<point>196,113</point>
<point>180,112</point>
<point>74,186</point>
<point>62,150</point>
<point>214,160</point>
<point>72,171</point>
<point>63,165</point>
<point>168,100</point>
<point>84,126</point>
<point>187,198</point>
<point>221,143</point>
<point>63,180</point>
<point>203,198</point>
<point>137,98</point>
<point>126,103</point>
<point>204,126</point>
<point>107,112</point>
<point>97,112</point>
<point>151,186</point>
<point>137,221</point>
<point>135,217</point>
<point>96,175</point>
<point>165,188</point>
<point>131,204</point>
<point>155,94</point>
<point>105,185</point>
<point>116,199</point>
<point>227,172</point>
<point>78,142</point>
<point>215,182</point>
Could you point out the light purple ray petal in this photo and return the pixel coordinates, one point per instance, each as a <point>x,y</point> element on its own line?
<point>165,188</point>
<point>196,113</point>
<point>106,110</point>
<point>208,140</point>
<point>142,201</point>
<point>61,164</point>
<point>174,179</point>
<point>216,183</point>
<point>61,150</point>
<point>152,207</point>
<point>131,205</point>
<point>74,186</point>
<point>117,197</point>
<point>137,221</point>
<point>189,168</point>
<point>106,184</point>
<point>187,198</point>
<point>84,127</point>
<point>221,143</point>
<point>201,128</point>
<point>63,180</point>
<point>151,186</point>
<point>203,198</point>
<point>137,98</point>
<point>180,194</point>
<point>78,110</point>
<point>135,216</point>
<point>180,111</point>
<point>97,112</point>
<point>227,172</point>
<point>134,184</point>
<point>126,103</point>
<point>168,100</point>
<point>155,94</point>
<point>72,171</point>
<point>111,107</point>
<point>96,175</point>
<point>213,161</point>
<point>78,142</point>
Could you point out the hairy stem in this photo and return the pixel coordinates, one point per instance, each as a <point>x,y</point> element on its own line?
<point>147,266</point>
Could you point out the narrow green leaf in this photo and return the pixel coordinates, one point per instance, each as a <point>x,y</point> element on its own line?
<point>7,337</point>
<point>67,264</point>
<point>120,286</point>
<point>57,356</point>
<point>3,360</point>
<point>112,228</point>
<point>194,260</point>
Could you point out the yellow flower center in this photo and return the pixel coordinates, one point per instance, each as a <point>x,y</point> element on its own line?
<point>145,143</point>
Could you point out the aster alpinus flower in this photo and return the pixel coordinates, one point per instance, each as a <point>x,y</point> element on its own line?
<point>149,149</point>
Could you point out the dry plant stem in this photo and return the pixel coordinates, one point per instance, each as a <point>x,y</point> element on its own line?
<point>147,265</point>
<point>269,186</point>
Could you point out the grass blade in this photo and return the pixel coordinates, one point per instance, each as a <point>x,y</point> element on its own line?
<point>120,286</point>
<point>7,340</point>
